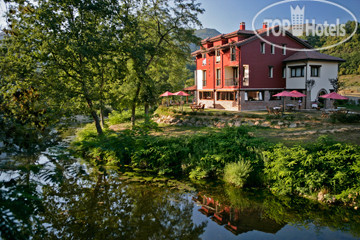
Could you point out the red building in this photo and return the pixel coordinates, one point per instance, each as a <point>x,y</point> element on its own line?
<point>238,71</point>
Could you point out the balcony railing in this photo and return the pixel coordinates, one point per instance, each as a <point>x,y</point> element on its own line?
<point>204,62</point>
<point>230,82</point>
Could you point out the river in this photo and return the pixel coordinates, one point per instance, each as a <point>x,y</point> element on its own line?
<point>53,195</point>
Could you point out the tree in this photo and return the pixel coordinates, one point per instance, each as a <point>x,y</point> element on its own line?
<point>159,28</point>
<point>77,46</point>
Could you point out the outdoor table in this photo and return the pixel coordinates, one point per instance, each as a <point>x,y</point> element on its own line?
<point>291,107</point>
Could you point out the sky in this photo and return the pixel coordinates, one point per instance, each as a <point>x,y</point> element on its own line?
<point>226,15</point>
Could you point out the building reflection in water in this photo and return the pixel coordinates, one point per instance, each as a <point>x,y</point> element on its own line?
<point>236,220</point>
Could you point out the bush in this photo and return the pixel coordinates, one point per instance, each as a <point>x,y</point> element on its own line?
<point>344,118</point>
<point>116,117</point>
<point>237,173</point>
<point>309,169</point>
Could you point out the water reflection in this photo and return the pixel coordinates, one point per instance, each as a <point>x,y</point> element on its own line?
<point>102,207</point>
<point>53,196</point>
<point>240,213</point>
<point>236,220</point>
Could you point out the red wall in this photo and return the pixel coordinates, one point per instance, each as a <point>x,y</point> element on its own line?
<point>259,63</point>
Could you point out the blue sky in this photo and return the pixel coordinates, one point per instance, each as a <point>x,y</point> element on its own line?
<point>226,15</point>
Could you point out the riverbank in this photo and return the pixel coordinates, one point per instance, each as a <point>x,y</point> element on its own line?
<point>325,170</point>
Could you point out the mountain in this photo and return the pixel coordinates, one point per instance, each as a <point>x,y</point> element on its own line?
<point>204,33</point>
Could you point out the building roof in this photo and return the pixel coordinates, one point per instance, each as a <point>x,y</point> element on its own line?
<point>192,88</point>
<point>312,55</point>
<point>251,36</point>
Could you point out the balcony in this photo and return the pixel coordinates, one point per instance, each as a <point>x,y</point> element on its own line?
<point>231,82</point>
<point>204,62</point>
<point>218,59</point>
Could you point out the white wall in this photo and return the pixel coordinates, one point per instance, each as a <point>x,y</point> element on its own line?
<point>199,78</point>
<point>328,71</point>
<point>297,82</point>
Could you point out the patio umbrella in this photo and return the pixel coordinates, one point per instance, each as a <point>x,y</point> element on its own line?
<point>167,94</point>
<point>181,93</point>
<point>284,94</point>
<point>334,96</point>
<point>297,94</point>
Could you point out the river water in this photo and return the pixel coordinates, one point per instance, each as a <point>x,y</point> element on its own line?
<point>53,195</point>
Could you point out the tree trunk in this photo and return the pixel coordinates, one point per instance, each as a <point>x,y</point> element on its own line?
<point>97,122</point>
<point>146,109</point>
<point>133,109</point>
<point>102,116</point>
<point>133,112</point>
<point>95,116</point>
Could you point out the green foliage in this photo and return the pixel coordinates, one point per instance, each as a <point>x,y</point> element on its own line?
<point>116,117</point>
<point>309,169</point>
<point>201,155</point>
<point>237,173</point>
<point>349,51</point>
<point>344,118</point>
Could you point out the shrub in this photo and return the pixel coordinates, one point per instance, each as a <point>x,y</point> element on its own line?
<point>237,173</point>
<point>344,118</point>
<point>116,117</point>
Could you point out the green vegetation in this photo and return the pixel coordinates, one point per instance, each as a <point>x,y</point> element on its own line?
<point>349,51</point>
<point>325,166</point>
<point>237,172</point>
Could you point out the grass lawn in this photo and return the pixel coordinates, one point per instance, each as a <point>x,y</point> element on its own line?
<point>352,85</point>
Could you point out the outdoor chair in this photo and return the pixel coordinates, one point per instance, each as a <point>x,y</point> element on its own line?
<point>270,110</point>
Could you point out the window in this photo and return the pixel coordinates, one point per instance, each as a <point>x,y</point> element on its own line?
<point>233,53</point>
<point>235,73</point>
<point>218,58</point>
<point>271,71</point>
<point>246,75</point>
<point>284,49</point>
<point>272,49</point>
<point>204,59</point>
<point>226,96</point>
<point>262,48</point>
<point>284,72</point>
<point>206,95</point>
<point>297,71</point>
<point>204,78</point>
<point>315,71</point>
<point>274,92</point>
<point>218,77</point>
<point>254,96</point>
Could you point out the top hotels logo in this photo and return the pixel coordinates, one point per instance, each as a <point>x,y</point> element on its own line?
<point>297,20</point>
<point>300,26</point>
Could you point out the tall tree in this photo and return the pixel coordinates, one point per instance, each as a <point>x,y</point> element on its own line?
<point>159,28</point>
<point>77,46</point>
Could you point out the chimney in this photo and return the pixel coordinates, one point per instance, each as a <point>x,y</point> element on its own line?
<point>265,25</point>
<point>242,26</point>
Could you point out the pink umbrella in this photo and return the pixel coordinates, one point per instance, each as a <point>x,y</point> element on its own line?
<point>181,93</point>
<point>167,94</point>
<point>284,94</point>
<point>334,95</point>
<point>297,94</point>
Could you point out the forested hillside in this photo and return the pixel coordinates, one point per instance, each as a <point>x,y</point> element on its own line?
<point>204,33</point>
<point>350,51</point>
